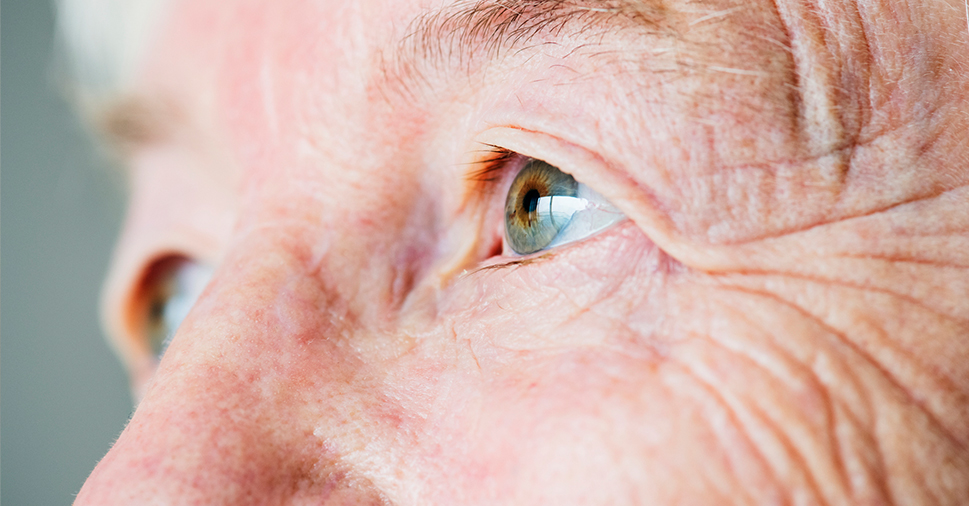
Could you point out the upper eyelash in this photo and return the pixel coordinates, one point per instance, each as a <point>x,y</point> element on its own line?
<point>491,167</point>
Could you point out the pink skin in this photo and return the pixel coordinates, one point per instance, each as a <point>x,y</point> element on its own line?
<point>782,319</point>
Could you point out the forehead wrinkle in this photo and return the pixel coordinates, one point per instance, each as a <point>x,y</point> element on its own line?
<point>464,33</point>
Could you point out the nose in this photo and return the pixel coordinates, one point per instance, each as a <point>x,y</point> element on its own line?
<point>233,414</point>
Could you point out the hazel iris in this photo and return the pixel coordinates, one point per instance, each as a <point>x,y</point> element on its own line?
<point>540,203</point>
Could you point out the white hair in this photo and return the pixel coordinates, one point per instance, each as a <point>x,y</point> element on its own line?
<point>104,43</point>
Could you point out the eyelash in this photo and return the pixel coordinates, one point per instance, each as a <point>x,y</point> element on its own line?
<point>486,176</point>
<point>502,168</point>
<point>493,166</point>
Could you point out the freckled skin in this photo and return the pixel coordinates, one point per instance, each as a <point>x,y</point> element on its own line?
<point>782,319</point>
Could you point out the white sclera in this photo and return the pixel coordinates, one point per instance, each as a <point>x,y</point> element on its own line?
<point>583,215</point>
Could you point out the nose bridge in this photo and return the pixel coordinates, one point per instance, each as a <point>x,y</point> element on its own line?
<point>230,410</point>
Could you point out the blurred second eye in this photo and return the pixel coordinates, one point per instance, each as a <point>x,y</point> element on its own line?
<point>173,285</point>
<point>546,207</point>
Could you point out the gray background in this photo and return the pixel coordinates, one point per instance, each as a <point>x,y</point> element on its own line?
<point>64,397</point>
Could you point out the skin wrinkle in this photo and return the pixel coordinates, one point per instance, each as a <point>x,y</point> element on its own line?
<point>583,375</point>
<point>787,440</point>
<point>720,403</point>
<point>848,151</point>
<point>815,387</point>
<point>822,131</point>
<point>877,210</point>
<point>907,299</point>
<point>943,380</point>
<point>654,334</point>
<point>793,453</point>
<point>757,260</point>
<point>749,274</point>
<point>851,462</point>
<point>704,262</point>
<point>872,468</point>
<point>745,419</point>
<point>884,373</point>
<point>868,358</point>
<point>902,260</point>
<point>831,405</point>
<point>458,35</point>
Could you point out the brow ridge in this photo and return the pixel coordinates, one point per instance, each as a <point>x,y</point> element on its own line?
<point>468,32</point>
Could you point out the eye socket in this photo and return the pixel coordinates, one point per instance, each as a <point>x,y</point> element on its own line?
<point>171,287</point>
<point>546,207</point>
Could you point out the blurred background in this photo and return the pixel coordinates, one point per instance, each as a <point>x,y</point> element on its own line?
<point>63,396</point>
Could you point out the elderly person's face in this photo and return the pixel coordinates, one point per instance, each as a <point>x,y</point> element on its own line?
<point>547,252</point>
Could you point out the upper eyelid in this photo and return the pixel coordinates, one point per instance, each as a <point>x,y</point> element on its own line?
<point>587,165</point>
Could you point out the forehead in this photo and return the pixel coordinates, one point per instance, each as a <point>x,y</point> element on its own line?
<point>341,59</point>
<point>339,44</point>
<point>319,85</point>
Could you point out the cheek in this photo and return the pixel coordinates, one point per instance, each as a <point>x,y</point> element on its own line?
<point>505,424</point>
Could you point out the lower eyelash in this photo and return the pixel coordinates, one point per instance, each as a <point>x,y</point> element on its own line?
<point>511,263</point>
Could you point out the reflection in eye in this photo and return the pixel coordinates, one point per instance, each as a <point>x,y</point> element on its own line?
<point>174,286</point>
<point>546,207</point>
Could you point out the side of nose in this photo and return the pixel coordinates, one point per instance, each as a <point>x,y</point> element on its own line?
<point>231,413</point>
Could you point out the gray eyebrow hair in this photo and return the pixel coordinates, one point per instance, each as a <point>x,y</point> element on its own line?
<point>459,33</point>
<point>465,31</point>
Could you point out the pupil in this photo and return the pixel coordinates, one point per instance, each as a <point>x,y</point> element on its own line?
<point>157,311</point>
<point>531,201</point>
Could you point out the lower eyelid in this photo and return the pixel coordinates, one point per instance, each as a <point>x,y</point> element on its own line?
<point>505,262</point>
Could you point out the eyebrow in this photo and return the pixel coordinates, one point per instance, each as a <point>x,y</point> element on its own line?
<point>132,121</point>
<point>464,32</point>
<point>459,34</point>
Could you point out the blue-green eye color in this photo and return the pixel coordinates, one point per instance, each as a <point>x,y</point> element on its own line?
<point>546,207</point>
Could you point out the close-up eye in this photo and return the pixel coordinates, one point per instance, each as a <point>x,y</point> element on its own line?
<point>170,289</point>
<point>546,207</point>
